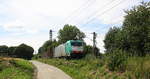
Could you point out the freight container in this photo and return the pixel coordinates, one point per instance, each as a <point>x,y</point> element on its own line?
<point>59,51</point>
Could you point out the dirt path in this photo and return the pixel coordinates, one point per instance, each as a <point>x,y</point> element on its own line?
<point>45,71</point>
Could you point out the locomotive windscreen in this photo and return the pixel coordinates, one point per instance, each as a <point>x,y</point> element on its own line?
<point>76,43</point>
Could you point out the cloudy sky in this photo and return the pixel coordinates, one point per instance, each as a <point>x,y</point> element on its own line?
<point>29,21</point>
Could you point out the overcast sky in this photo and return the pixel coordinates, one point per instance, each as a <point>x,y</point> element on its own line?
<point>29,21</point>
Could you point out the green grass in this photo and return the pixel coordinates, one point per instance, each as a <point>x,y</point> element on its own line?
<point>16,69</point>
<point>81,69</point>
<point>97,68</point>
<point>139,66</point>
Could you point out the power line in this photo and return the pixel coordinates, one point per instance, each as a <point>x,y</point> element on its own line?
<point>101,8</point>
<point>113,24</point>
<point>84,8</point>
<point>78,9</point>
<point>105,11</point>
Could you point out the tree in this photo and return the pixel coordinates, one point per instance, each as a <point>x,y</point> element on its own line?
<point>48,44</point>
<point>134,36</point>
<point>11,51</point>
<point>3,50</point>
<point>111,39</point>
<point>88,49</point>
<point>137,27</point>
<point>40,50</point>
<point>70,32</point>
<point>24,51</point>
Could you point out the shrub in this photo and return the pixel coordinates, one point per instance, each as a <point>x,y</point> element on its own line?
<point>24,51</point>
<point>117,60</point>
<point>36,56</point>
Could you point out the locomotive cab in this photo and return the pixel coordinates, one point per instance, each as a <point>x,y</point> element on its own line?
<point>74,48</point>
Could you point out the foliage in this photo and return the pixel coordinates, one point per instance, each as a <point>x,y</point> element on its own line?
<point>111,39</point>
<point>70,32</point>
<point>21,51</point>
<point>48,45</point>
<point>11,51</point>
<point>3,50</point>
<point>36,56</point>
<point>89,50</point>
<point>117,61</point>
<point>15,69</point>
<point>136,25</point>
<point>41,50</point>
<point>24,51</point>
<point>134,36</point>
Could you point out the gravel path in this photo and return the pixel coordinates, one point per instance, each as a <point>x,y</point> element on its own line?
<point>45,71</point>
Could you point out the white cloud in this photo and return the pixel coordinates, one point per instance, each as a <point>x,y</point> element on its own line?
<point>14,26</point>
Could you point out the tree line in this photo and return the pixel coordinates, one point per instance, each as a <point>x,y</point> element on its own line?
<point>131,40</point>
<point>134,35</point>
<point>21,51</point>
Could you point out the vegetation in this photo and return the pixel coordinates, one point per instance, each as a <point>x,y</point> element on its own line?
<point>117,61</point>
<point>47,45</point>
<point>3,50</point>
<point>124,45</point>
<point>24,51</point>
<point>88,49</point>
<point>127,50</point>
<point>133,36</point>
<point>70,32</point>
<point>93,68</point>
<point>21,51</point>
<point>11,68</point>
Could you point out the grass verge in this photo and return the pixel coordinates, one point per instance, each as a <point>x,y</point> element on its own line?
<point>97,68</point>
<point>11,68</point>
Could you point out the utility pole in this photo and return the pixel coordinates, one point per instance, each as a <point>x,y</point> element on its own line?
<point>50,35</point>
<point>94,42</point>
<point>50,50</point>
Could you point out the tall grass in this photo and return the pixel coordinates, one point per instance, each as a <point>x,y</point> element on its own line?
<point>83,68</point>
<point>93,68</point>
<point>139,67</point>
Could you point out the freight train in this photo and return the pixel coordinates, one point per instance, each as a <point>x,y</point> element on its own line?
<point>72,48</point>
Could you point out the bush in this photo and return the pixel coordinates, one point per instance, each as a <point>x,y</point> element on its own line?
<point>36,56</point>
<point>24,51</point>
<point>117,60</point>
